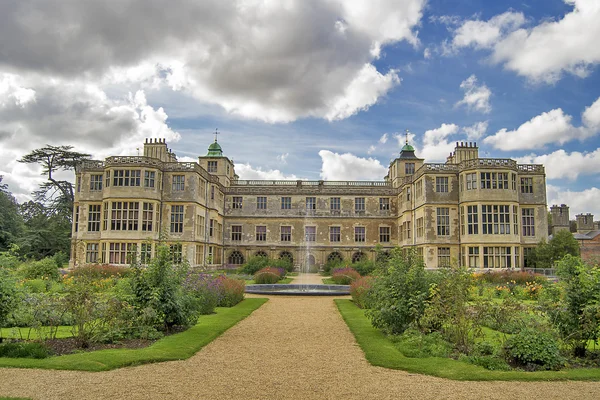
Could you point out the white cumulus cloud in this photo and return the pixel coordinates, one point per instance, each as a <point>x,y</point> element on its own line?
<point>476,130</point>
<point>561,164</point>
<point>553,126</point>
<point>484,34</point>
<point>347,166</point>
<point>543,52</point>
<point>248,172</point>
<point>477,97</point>
<point>585,201</point>
<point>436,146</point>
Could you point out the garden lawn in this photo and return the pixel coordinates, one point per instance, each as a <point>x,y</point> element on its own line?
<point>175,347</point>
<point>380,351</point>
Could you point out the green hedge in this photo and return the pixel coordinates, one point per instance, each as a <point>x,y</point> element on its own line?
<point>175,347</point>
<point>381,352</point>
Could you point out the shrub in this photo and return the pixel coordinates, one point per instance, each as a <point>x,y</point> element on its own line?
<point>101,271</point>
<point>44,268</point>
<point>24,350</point>
<point>532,350</point>
<point>490,362</point>
<point>206,289</point>
<point>365,267</point>
<point>333,264</point>
<point>415,344</point>
<point>573,304</point>
<point>269,275</point>
<point>449,311</point>
<point>399,293</point>
<point>344,276</point>
<point>359,289</point>
<point>507,277</point>
<point>10,259</point>
<point>36,285</point>
<point>283,263</point>
<point>61,258</point>
<point>255,264</point>
<point>8,295</point>
<point>160,287</point>
<point>231,291</point>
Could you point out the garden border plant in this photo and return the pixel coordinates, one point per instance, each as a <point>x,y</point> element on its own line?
<point>380,351</point>
<point>175,347</point>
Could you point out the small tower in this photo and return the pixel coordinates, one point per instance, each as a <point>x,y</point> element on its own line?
<point>463,151</point>
<point>405,165</point>
<point>158,149</point>
<point>215,163</point>
<point>560,218</point>
<point>585,223</point>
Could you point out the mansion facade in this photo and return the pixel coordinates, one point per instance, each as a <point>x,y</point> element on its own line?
<point>480,212</point>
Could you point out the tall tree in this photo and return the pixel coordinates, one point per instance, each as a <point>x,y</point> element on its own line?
<point>48,218</point>
<point>11,223</point>
<point>546,254</point>
<point>56,195</point>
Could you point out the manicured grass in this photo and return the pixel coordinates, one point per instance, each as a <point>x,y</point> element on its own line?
<point>25,333</point>
<point>14,398</point>
<point>175,347</point>
<point>329,281</point>
<point>380,351</point>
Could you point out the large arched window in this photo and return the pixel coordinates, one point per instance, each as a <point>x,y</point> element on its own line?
<point>236,258</point>
<point>358,256</point>
<point>261,254</point>
<point>286,255</point>
<point>335,256</point>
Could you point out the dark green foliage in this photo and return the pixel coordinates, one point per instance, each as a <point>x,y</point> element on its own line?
<point>399,294</point>
<point>45,268</point>
<point>449,312</point>
<point>24,350</point>
<point>364,267</point>
<point>159,288</point>
<point>61,259</point>
<point>46,232</point>
<point>11,223</point>
<point>573,306</point>
<point>532,350</point>
<point>255,264</point>
<point>8,295</point>
<point>330,265</point>
<point>10,259</point>
<point>547,254</point>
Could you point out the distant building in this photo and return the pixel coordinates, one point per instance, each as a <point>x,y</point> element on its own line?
<point>587,230</point>
<point>479,212</point>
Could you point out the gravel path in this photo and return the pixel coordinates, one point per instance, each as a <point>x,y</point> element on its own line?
<point>290,348</point>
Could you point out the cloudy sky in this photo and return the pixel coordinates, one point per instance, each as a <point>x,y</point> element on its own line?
<point>316,89</point>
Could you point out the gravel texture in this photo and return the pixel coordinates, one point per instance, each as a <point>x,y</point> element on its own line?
<point>290,348</point>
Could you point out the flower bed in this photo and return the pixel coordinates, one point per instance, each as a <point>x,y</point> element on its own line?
<point>344,276</point>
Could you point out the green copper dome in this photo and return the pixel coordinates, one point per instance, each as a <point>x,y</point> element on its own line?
<point>214,150</point>
<point>407,147</point>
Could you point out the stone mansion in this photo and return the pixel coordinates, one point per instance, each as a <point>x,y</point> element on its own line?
<point>479,212</point>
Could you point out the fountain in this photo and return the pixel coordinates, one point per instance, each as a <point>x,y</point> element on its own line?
<point>303,288</point>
